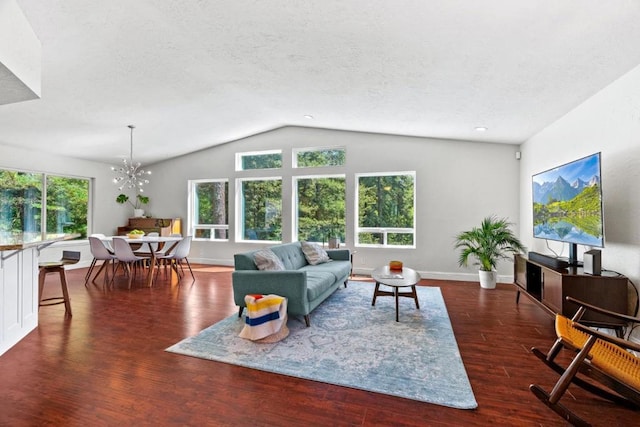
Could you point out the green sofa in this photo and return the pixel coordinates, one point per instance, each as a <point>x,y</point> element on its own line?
<point>304,285</point>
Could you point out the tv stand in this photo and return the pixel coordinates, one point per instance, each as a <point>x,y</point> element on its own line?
<point>548,287</point>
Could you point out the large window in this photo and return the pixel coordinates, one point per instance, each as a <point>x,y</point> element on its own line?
<point>20,202</point>
<point>28,205</point>
<point>386,209</point>
<point>320,208</point>
<point>259,160</point>
<point>210,209</point>
<point>67,205</point>
<point>319,157</point>
<point>260,209</point>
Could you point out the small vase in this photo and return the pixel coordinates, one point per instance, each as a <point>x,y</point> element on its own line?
<point>138,213</point>
<point>488,279</point>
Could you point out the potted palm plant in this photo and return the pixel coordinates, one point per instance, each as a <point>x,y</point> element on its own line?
<point>492,241</point>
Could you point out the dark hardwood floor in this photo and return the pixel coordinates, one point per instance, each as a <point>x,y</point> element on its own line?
<point>107,365</point>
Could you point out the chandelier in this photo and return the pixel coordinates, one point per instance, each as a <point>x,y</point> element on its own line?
<point>130,175</point>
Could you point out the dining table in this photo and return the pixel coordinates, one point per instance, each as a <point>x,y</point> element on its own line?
<point>149,241</point>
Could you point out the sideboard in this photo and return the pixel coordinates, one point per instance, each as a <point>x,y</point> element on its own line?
<point>163,226</point>
<point>548,287</point>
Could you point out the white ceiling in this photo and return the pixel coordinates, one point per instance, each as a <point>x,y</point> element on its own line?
<point>191,74</point>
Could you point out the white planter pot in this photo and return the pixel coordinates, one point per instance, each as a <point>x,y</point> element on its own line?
<point>488,279</point>
<point>138,213</point>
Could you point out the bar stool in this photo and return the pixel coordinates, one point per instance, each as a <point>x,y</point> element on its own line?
<point>68,258</point>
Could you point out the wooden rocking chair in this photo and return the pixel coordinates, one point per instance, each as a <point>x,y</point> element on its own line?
<point>603,358</point>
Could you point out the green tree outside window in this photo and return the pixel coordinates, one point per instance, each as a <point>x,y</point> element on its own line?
<point>321,208</point>
<point>23,198</point>
<point>261,209</point>
<point>386,210</point>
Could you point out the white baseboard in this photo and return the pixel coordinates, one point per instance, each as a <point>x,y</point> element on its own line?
<point>435,275</point>
<point>439,275</point>
<point>212,261</point>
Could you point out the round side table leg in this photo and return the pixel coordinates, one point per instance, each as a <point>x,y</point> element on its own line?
<point>375,294</point>
<point>396,292</point>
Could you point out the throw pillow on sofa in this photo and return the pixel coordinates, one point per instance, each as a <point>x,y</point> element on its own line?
<point>266,259</point>
<point>314,253</point>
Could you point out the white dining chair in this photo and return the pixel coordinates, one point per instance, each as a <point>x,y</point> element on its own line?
<point>176,256</point>
<point>100,252</point>
<point>126,257</point>
<point>103,237</point>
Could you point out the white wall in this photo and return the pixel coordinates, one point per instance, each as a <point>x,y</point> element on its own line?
<point>608,122</point>
<point>458,183</point>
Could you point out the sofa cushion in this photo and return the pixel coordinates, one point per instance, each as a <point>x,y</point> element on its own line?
<point>317,283</point>
<point>314,253</point>
<point>267,260</point>
<point>339,269</point>
<point>291,255</point>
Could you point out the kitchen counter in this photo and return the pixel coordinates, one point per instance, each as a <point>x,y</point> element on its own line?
<point>19,283</point>
<point>21,241</point>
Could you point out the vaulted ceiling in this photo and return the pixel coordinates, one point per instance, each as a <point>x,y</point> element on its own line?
<point>192,74</point>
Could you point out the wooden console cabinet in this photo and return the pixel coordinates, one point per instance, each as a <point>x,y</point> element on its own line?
<point>164,226</point>
<point>548,287</point>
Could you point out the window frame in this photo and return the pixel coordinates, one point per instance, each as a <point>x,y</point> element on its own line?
<point>241,155</point>
<point>295,201</point>
<point>385,231</point>
<point>239,217</point>
<point>191,211</point>
<point>44,183</point>
<point>296,151</point>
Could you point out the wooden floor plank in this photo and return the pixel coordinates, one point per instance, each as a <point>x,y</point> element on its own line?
<point>107,365</point>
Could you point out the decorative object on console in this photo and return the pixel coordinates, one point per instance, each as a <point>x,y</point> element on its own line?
<point>138,212</point>
<point>130,174</point>
<point>592,262</point>
<point>395,265</point>
<point>489,243</point>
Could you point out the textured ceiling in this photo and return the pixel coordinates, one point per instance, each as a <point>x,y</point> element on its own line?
<point>192,74</point>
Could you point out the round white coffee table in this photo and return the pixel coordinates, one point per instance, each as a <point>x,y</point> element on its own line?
<point>407,278</point>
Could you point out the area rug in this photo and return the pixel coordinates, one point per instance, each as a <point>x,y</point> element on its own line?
<point>352,344</point>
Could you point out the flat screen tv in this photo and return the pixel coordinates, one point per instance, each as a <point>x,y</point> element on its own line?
<point>567,204</point>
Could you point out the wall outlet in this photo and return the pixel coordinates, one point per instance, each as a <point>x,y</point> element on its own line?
<point>362,261</point>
